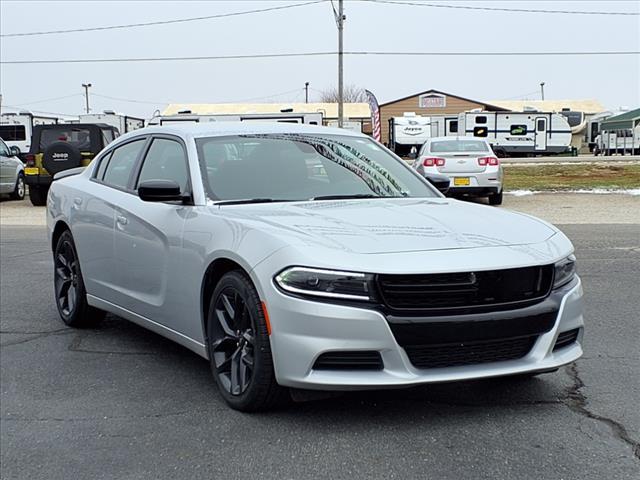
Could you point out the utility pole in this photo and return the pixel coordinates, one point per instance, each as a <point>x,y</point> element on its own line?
<point>306,92</point>
<point>542,90</point>
<point>340,20</point>
<point>86,95</point>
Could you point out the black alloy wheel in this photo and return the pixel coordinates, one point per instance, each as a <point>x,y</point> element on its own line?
<point>66,278</point>
<point>69,290</point>
<point>233,348</point>
<point>239,346</point>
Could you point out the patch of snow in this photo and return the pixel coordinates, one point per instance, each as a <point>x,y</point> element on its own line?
<point>520,193</point>
<point>593,191</point>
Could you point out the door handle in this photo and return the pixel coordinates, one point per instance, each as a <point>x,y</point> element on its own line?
<point>122,220</point>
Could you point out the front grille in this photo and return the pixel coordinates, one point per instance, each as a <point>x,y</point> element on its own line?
<point>466,291</point>
<point>469,353</point>
<point>566,338</point>
<point>369,360</point>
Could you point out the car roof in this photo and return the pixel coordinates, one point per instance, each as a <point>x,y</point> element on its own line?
<point>218,129</point>
<point>457,137</point>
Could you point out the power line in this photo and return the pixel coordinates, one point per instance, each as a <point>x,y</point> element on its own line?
<point>313,54</point>
<point>164,102</point>
<point>17,107</point>
<point>500,9</point>
<point>162,22</point>
<point>49,100</point>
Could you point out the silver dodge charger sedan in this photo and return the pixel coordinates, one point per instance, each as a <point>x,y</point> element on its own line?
<point>304,257</point>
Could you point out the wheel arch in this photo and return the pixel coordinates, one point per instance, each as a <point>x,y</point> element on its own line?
<point>60,227</point>
<point>214,272</point>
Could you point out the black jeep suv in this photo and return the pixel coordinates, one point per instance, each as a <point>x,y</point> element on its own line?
<point>59,147</point>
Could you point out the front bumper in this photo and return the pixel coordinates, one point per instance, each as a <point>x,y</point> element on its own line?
<point>302,330</point>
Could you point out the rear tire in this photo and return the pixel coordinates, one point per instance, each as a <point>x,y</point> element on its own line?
<point>495,199</point>
<point>18,191</point>
<point>38,195</point>
<point>70,294</point>
<point>239,347</point>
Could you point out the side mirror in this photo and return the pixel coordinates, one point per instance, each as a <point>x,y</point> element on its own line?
<point>15,151</point>
<point>160,191</point>
<point>413,154</point>
<point>441,182</point>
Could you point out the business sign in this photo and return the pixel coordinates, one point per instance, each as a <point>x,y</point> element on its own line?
<point>432,100</point>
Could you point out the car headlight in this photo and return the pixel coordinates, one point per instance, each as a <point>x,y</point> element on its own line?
<point>326,283</point>
<point>565,270</point>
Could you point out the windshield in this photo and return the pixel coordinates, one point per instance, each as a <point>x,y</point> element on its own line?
<point>303,167</point>
<point>459,146</point>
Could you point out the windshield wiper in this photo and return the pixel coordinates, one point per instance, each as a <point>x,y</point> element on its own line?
<point>240,201</point>
<point>347,196</point>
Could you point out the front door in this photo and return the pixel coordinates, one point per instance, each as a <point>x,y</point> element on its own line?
<point>541,133</point>
<point>148,238</point>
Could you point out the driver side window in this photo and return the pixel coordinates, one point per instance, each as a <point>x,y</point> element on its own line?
<point>165,160</point>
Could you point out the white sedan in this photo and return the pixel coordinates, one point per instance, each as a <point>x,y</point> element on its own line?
<point>472,167</point>
<point>294,256</point>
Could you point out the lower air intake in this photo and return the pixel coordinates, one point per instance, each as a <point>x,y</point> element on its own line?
<point>566,338</point>
<point>469,353</point>
<point>349,361</point>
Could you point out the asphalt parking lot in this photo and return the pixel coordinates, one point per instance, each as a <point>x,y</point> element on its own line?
<point>122,402</point>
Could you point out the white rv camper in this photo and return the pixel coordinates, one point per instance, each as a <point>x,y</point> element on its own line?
<point>123,123</point>
<point>518,133</point>
<point>15,128</point>
<point>408,131</point>
<point>314,118</point>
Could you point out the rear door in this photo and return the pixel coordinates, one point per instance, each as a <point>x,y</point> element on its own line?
<point>148,237</point>
<point>93,219</point>
<point>541,133</point>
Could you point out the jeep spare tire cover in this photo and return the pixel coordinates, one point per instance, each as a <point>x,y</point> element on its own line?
<point>61,156</point>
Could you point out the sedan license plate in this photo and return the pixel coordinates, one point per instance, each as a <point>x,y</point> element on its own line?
<point>461,181</point>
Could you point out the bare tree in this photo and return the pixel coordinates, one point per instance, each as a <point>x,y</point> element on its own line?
<point>352,94</point>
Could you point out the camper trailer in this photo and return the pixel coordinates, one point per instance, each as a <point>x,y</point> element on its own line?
<point>15,128</point>
<point>624,142</point>
<point>314,118</point>
<point>123,123</point>
<point>408,131</point>
<point>518,133</point>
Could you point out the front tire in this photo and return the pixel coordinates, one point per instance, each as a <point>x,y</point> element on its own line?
<point>239,347</point>
<point>70,294</point>
<point>495,199</point>
<point>18,191</point>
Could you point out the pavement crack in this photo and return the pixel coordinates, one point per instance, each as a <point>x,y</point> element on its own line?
<point>76,346</point>
<point>576,400</point>
<point>37,336</point>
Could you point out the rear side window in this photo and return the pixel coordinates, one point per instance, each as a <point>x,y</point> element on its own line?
<point>103,166</point>
<point>121,163</point>
<point>78,137</point>
<point>165,160</point>
<point>13,133</point>
<point>107,136</point>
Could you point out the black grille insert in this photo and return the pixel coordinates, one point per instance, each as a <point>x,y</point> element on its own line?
<point>566,338</point>
<point>466,291</point>
<point>368,360</point>
<point>469,353</point>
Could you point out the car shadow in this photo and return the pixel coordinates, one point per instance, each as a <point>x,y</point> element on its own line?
<point>118,336</point>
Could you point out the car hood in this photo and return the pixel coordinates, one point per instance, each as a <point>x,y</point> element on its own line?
<point>391,225</point>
